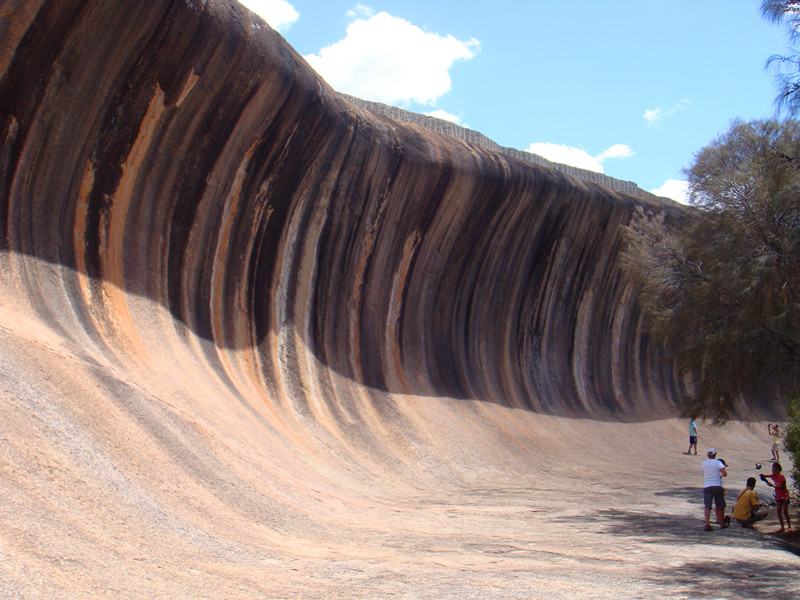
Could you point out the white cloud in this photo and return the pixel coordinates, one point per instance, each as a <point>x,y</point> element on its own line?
<point>578,157</point>
<point>676,189</point>
<point>655,115</point>
<point>445,116</point>
<point>387,59</point>
<point>615,151</point>
<point>278,13</point>
<point>360,10</point>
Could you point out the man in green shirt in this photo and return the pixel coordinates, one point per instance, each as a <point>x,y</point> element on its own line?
<point>746,510</point>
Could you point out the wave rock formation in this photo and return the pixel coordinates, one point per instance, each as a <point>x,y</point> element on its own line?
<point>241,313</point>
<point>193,158</point>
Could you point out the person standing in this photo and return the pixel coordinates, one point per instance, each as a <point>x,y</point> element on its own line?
<point>692,437</point>
<point>713,472</point>
<point>781,495</point>
<point>775,432</point>
<point>747,504</point>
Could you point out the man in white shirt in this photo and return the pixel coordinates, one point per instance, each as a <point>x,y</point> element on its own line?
<point>713,472</point>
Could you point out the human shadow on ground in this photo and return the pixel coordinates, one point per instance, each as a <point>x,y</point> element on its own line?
<point>690,494</point>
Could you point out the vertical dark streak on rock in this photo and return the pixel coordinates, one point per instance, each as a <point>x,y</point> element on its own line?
<point>22,89</point>
<point>337,239</point>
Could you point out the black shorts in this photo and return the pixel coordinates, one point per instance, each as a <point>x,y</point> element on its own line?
<point>716,494</point>
<point>692,440</point>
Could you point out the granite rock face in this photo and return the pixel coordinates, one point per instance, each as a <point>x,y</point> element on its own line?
<point>259,341</point>
<point>193,158</point>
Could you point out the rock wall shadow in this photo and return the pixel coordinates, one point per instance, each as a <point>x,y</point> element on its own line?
<point>736,579</point>
<point>195,159</point>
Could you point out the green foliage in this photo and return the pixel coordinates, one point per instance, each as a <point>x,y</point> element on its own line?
<point>791,441</point>
<point>722,286</point>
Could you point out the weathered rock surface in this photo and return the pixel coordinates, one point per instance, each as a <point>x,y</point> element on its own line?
<point>259,341</point>
<point>193,158</point>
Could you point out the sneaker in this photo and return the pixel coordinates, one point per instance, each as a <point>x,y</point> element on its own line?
<point>709,528</point>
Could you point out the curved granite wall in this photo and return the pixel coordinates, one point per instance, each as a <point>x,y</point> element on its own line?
<point>193,158</point>
<point>478,139</point>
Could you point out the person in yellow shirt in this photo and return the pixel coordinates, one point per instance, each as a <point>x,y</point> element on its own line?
<point>747,504</point>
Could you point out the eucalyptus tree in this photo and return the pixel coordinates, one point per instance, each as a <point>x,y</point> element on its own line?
<point>721,281</point>
<point>786,66</point>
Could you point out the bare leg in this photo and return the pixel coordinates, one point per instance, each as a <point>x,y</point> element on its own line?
<point>720,516</point>
<point>782,506</point>
<point>785,506</point>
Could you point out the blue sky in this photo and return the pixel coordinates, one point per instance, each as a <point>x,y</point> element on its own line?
<point>629,88</point>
